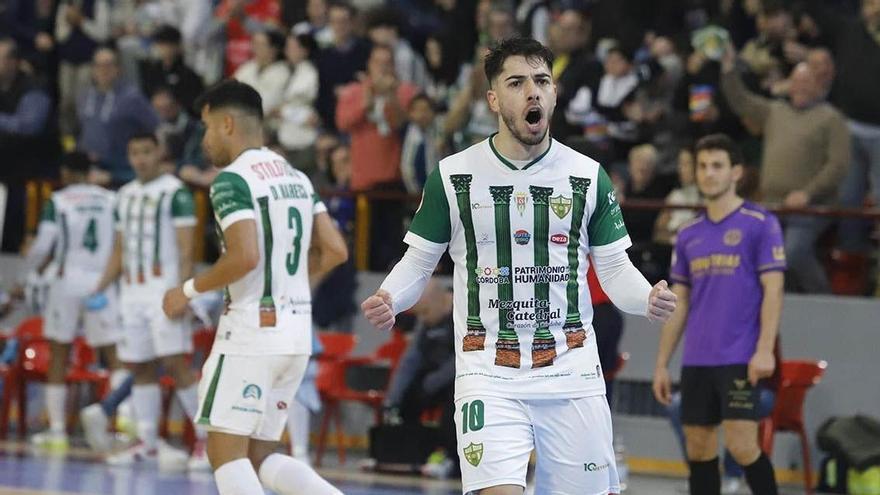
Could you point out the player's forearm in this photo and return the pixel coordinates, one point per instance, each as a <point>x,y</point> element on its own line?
<point>409,277</point>
<point>185,247</point>
<point>114,266</point>
<point>623,282</point>
<point>40,248</point>
<point>771,315</point>
<point>229,268</point>
<point>321,263</point>
<point>671,333</point>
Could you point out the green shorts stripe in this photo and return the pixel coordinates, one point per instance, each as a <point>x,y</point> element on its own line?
<point>205,419</point>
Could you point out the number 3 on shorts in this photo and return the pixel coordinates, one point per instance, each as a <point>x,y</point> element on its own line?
<point>472,416</point>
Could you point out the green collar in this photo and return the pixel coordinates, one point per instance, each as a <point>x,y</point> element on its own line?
<point>510,165</point>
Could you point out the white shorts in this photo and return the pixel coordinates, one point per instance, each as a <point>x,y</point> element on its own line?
<point>249,395</point>
<point>148,334</point>
<point>66,313</point>
<point>572,439</point>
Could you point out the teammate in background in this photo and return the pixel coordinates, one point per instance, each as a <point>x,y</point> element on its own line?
<point>727,271</point>
<point>155,226</point>
<point>78,221</point>
<point>520,213</point>
<point>277,238</point>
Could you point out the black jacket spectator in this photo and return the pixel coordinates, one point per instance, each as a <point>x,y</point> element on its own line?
<point>170,71</point>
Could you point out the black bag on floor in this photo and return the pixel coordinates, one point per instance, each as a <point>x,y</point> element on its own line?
<point>403,444</point>
<point>833,475</point>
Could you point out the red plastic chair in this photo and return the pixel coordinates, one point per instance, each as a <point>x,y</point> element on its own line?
<point>330,380</point>
<point>388,355</point>
<point>203,340</point>
<point>28,330</point>
<point>798,377</point>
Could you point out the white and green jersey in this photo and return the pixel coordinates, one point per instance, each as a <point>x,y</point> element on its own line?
<point>80,218</point>
<point>269,310</point>
<point>520,240</point>
<point>148,215</point>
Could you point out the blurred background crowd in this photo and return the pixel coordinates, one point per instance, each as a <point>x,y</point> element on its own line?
<point>367,96</point>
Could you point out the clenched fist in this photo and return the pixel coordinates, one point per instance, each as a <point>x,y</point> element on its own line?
<point>661,302</point>
<point>378,310</point>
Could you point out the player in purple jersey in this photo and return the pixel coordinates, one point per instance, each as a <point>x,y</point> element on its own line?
<point>728,273</point>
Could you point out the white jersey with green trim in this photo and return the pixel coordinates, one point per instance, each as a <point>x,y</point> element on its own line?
<point>520,240</point>
<point>147,216</point>
<point>81,219</point>
<point>269,310</point>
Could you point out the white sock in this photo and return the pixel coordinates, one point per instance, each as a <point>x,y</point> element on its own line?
<point>237,478</point>
<point>189,401</point>
<point>298,430</point>
<point>56,398</point>
<point>146,400</point>
<point>288,476</point>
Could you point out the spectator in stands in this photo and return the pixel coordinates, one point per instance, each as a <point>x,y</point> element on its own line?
<point>803,132</point>
<point>28,142</point>
<point>687,194</point>
<point>316,24</point>
<point>268,71</point>
<point>856,47</point>
<point>179,133</point>
<point>110,111</point>
<point>383,28</point>
<point>339,63</point>
<point>497,24</point>
<point>443,66</point>
<point>241,19</point>
<point>333,305</point>
<point>297,120</point>
<point>534,19</point>
<point>420,153</point>
<point>425,375</point>
<point>469,119</point>
<point>574,66</point>
<point>170,71</point>
<point>764,56</point>
<point>80,26</point>
<point>373,112</point>
<point>322,176</point>
<point>642,184</point>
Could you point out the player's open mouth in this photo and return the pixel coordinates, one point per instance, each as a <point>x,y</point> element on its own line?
<point>534,116</point>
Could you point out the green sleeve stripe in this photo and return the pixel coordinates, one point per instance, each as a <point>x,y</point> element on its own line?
<point>431,221</point>
<point>48,213</point>
<point>182,204</point>
<point>606,221</point>
<point>230,193</point>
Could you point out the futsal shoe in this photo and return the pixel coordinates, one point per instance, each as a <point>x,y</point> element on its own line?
<point>94,423</point>
<point>136,454</point>
<point>51,441</point>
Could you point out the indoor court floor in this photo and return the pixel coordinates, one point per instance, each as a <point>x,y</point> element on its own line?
<point>23,471</point>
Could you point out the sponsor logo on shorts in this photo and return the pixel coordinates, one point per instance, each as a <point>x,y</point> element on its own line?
<point>473,453</point>
<point>592,467</point>
<point>739,384</point>
<point>522,237</point>
<point>559,239</point>
<point>251,391</point>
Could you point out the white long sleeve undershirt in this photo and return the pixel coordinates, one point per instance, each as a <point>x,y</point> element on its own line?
<point>620,279</point>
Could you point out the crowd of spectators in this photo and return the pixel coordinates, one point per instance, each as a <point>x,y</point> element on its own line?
<point>392,86</point>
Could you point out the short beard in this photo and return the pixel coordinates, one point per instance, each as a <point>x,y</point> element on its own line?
<point>528,140</point>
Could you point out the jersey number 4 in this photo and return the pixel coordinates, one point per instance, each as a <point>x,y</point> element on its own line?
<point>90,238</point>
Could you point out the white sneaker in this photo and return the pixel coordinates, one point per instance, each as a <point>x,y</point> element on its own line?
<point>198,460</point>
<point>51,441</point>
<point>171,459</point>
<point>730,486</point>
<point>136,454</point>
<point>94,423</point>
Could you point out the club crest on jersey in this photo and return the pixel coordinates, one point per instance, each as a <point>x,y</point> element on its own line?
<point>522,237</point>
<point>733,237</point>
<point>251,391</point>
<point>521,200</point>
<point>560,205</point>
<point>473,453</point>
<point>560,239</point>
